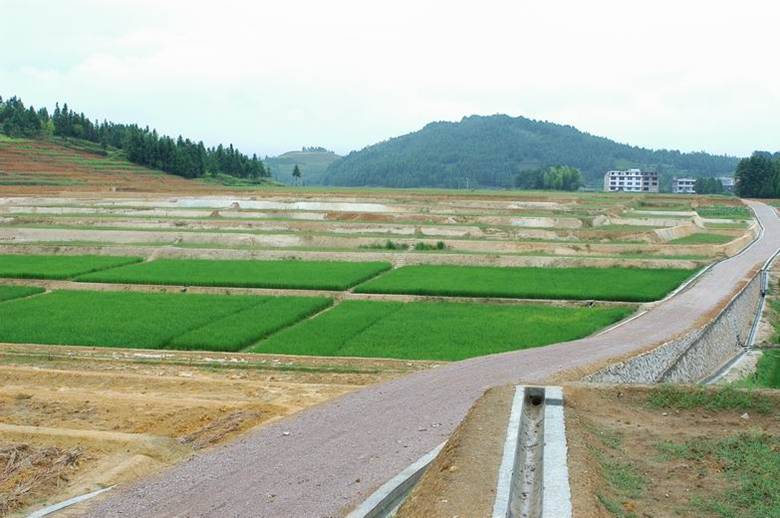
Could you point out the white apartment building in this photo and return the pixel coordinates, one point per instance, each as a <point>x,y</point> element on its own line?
<point>684,185</point>
<point>631,180</point>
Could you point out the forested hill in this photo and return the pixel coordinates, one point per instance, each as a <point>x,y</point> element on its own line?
<point>490,151</point>
<point>142,146</point>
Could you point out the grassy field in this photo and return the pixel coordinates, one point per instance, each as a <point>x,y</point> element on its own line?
<point>751,465</point>
<point>702,238</point>
<point>148,320</point>
<point>767,373</point>
<point>15,292</point>
<point>318,275</point>
<point>435,331</point>
<point>675,450</point>
<point>57,266</point>
<point>619,284</point>
<point>236,331</point>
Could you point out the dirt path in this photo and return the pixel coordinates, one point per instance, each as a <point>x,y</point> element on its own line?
<point>327,458</point>
<point>73,419</point>
<point>276,292</point>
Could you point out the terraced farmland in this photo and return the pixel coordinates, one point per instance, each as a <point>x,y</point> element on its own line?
<point>290,296</point>
<point>422,227</point>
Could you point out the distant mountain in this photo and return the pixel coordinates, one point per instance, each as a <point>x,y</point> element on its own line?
<point>490,151</point>
<point>312,161</point>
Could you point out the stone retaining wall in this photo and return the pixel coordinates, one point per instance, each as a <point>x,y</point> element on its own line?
<point>697,355</point>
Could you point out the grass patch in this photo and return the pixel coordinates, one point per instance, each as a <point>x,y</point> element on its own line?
<point>614,507</point>
<point>15,292</point>
<point>620,284</point>
<point>767,373</point>
<point>623,479</point>
<point>57,266</point>
<point>751,465</point>
<point>124,319</point>
<point>245,327</point>
<point>722,398</point>
<point>320,275</point>
<point>423,247</point>
<point>725,212</point>
<point>702,238</point>
<point>387,245</point>
<point>435,330</point>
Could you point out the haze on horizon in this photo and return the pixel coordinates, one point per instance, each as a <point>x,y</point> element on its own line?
<point>345,74</point>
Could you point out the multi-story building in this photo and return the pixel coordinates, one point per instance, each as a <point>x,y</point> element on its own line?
<point>684,185</point>
<point>631,180</point>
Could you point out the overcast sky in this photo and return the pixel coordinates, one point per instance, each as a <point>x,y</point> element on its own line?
<point>274,76</point>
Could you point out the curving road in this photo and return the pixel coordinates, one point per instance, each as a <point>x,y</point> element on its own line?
<point>324,460</point>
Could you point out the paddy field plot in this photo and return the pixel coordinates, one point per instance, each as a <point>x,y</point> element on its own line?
<point>149,320</point>
<point>702,238</point>
<point>57,266</point>
<point>15,292</point>
<point>436,330</point>
<point>245,327</point>
<point>615,284</point>
<point>318,275</point>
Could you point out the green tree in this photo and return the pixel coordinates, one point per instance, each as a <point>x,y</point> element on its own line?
<point>556,178</point>
<point>758,176</point>
<point>297,173</point>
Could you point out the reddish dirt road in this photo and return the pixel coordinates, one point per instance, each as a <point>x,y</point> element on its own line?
<point>324,460</point>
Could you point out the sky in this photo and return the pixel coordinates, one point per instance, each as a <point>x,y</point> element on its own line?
<point>272,76</point>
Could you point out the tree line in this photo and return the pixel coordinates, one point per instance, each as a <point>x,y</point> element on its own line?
<point>759,176</point>
<point>180,156</point>
<point>708,186</point>
<point>555,178</point>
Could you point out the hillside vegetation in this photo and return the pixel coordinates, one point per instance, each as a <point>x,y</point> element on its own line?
<point>142,146</point>
<point>312,162</point>
<point>53,163</point>
<point>492,151</point>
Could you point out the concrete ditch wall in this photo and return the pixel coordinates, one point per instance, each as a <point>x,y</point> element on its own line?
<point>697,355</point>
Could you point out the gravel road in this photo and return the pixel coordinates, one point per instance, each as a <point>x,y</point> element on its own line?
<point>324,460</point>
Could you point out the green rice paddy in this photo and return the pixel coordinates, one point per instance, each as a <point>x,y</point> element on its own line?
<point>241,329</point>
<point>702,238</point>
<point>57,266</point>
<point>435,330</point>
<point>316,275</point>
<point>15,292</point>
<point>617,284</point>
<point>147,320</point>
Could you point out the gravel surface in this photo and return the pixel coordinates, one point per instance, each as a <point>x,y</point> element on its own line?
<point>324,460</point>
